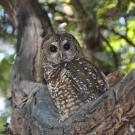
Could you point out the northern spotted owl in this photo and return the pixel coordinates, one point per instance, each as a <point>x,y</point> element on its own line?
<point>71,79</point>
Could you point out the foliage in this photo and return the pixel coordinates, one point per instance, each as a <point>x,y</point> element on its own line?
<point>7,39</point>
<point>111,22</point>
<point>5,73</point>
<point>5,119</point>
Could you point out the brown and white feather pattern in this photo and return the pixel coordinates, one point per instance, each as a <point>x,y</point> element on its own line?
<point>73,83</point>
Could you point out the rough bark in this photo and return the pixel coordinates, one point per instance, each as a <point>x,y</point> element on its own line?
<point>34,112</point>
<point>111,114</point>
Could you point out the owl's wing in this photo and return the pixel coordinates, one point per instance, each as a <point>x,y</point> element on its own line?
<point>86,79</point>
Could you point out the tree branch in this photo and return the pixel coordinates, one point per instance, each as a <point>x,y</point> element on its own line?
<point>113,52</point>
<point>33,23</point>
<point>120,35</point>
<point>77,4</point>
<point>124,37</point>
<point>10,9</point>
<point>112,113</point>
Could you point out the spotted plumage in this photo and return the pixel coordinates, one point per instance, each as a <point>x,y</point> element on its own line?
<point>71,79</point>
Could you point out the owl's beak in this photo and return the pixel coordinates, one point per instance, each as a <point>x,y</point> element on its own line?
<point>61,55</point>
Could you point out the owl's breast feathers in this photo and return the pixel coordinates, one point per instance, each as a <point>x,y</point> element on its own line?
<point>62,92</point>
<point>74,83</point>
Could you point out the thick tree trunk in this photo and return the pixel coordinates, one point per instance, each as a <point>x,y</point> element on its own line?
<point>111,114</point>
<point>34,112</point>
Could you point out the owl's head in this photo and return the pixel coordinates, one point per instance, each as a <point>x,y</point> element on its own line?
<point>60,47</point>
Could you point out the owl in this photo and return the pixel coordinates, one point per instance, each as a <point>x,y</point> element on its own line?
<point>71,79</point>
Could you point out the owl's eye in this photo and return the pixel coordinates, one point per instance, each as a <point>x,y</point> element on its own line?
<point>66,46</point>
<point>53,48</point>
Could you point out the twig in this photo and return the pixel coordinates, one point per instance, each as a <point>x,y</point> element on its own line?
<point>120,35</point>
<point>113,52</point>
